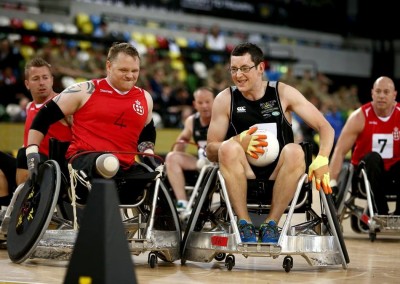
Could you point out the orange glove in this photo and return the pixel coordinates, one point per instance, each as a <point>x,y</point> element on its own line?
<point>320,165</point>
<point>252,144</point>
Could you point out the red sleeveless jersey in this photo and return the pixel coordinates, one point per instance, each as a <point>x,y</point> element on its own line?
<point>379,136</point>
<point>57,130</point>
<point>109,121</point>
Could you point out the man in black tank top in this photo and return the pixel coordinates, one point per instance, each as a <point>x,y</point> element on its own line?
<point>195,129</point>
<point>268,104</point>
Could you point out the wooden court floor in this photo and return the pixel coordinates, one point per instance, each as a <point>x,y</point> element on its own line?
<point>370,262</point>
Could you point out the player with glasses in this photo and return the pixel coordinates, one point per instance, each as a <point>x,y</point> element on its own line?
<point>243,69</point>
<point>255,101</point>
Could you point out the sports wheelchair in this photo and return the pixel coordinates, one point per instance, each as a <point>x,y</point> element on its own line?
<point>194,180</point>
<point>355,200</point>
<point>212,231</point>
<point>41,221</point>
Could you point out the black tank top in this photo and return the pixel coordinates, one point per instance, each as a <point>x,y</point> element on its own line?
<point>199,131</point>
<point>245,113</point>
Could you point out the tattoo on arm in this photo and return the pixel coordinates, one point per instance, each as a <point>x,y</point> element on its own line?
<point>90,87</point>
<point>76,88</point>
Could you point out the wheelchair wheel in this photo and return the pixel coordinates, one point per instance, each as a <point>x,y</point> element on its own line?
<point>33,210</point>
<point>342,182</point>
<point>337,227</point>
<point>201,208</point>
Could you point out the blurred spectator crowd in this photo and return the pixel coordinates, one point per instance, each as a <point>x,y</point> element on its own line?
<point>167,72</point>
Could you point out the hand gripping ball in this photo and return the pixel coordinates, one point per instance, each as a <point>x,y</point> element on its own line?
<point>271,151</point>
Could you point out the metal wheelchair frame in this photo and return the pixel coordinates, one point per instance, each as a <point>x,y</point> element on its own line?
<point>54,236</point>
<point>362,219</point>
<point>212,231</point>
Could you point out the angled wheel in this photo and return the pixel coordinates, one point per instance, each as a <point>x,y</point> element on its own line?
<point>230,261</point>
<point>32,212</point>
<point>201,208</point>
<point>287,263</point>
<point>372,237</point>
<point>152,260</point>
<point>337,228</point>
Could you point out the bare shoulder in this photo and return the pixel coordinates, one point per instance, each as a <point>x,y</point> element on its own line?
<point>223,98</point>
<point>356,115</point>
<point>189,122</point>
<point>356,121</point>
<point>287,91</point>
<point>148,95</point>
<point>291,98</point>
<point>78,90</point>
<point>86,87</point>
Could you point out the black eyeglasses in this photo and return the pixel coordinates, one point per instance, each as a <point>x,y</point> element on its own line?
<point>243,69</point>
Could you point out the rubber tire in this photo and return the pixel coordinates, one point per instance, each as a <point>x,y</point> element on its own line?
<point>338,228</point>
<point>22,240</point>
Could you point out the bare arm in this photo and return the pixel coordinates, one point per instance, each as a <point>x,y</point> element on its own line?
<point>219,124</point>
<point>185,135</point>
<point>149,100</point>
<point>69,101</point>
<point>353,127</point>
<point>293,100</point>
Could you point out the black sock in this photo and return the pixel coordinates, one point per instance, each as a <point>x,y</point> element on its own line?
<point>5,200</point>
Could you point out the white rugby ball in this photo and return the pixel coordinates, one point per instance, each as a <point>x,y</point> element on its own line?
<point>271,151</point>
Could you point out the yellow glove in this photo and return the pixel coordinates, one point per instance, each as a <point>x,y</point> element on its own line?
<point>252,144</point>
<point>320,166</point>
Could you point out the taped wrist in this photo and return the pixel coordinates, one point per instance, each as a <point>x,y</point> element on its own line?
<point>146,145</point>
<point>33,148</point>
<point>48,114</point>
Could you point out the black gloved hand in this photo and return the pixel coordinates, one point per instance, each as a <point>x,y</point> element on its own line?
<point>33,160</point>
<point>151,162</point>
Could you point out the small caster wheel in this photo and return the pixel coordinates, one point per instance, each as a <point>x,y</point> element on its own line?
<point>287,263</point>
<point>220,256</point>
<point>152,260</point>
<point>372,237</point>
<point>230,261</point>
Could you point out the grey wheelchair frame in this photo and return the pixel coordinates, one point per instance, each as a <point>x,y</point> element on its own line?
<point>363,217</point>
<point>51,230</point>
<point>212,232</point>
<point>194,180</point>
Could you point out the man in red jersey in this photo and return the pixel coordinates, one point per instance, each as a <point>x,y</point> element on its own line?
<point>39,81</point>
<point>374,132</point>
<point>109,115</point>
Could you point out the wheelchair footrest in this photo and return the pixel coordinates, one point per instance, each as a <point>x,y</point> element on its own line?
<point>259,248</point>
<point>388,222</point>
<point>56,245</point>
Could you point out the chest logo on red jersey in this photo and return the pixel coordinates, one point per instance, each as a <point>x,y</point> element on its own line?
<point>396,134</point>
<point>138,108</point>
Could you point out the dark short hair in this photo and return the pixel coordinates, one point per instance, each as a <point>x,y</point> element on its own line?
<point>256,54</point>
<point>123,47</point>
<point>36,62</point>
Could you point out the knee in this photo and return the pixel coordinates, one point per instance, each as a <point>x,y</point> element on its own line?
<point>229,152</point>
<point>173,159</point>
<point>169,158</point>
<point>293,156</point>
